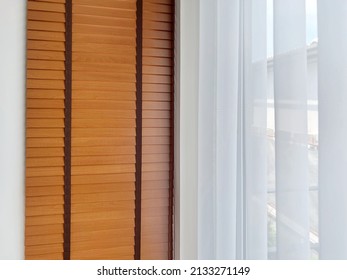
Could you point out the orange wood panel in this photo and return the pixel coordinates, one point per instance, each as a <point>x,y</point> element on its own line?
<point>45,129</point>
<point>156,240</point>
<point>103,129</point>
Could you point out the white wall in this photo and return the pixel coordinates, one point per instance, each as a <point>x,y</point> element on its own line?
<point>12,128</point>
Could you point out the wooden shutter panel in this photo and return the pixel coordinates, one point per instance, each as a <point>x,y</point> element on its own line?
<point>45,130</point>
<point>103,129</point>
<point>157,105</point>
<point>91,148</point>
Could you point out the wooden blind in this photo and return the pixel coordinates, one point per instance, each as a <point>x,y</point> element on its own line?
<point>157,96</point>
<point>103,129</point>
<point>105,132</point>
<point>45,129</point>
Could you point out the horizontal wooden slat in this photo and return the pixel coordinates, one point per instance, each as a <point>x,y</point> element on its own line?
<point>156,114</point>
<point>108,187</point>
<point>101,114</point>
<point>102,132</point>
<point>49,123</point>
<point>106,21</point>
<point>45,84</point>
<point>155,140</point>
<point>104,49</point>
<point>156,34</point>
<point>105,196</point>
<point>46,35</point>
<point>104,104</point>
<point>156,105</point>
<point>44,6</point>
<point>45,93</point>
<point>104,76</point>
<point>48,161</point>
<point>128,5</point>
<point>46,16</point>
<point>44,239</point>
<point>156,131</point>
<point>157,7</point>
<point>157,61</point>
<point>45,103</point>
<point>44,142</point>
<point>120,253</point>
<point>43,230</point>
<point>46,26</point>
<point>92,216</point>
<point>154,193</point>
<point>45,55</point>
<point>43,249</point>
<point>102,225</point>
<point>102,141</point>
<point>44,200</point>
<point>102,206</point>
<point>103,169</point>
<point>100,123</point>
<point>45,132</point>
<point>106,159</point>
<point>45,45</point>
<point>155,238</point>
<point>101,11</point>
<point>105,39</point>
<point>155,184</point>
<point>156,70</point>
<point>103,150</point>
<point>156,96</point>
<point>52,1</point>
<point>147,203</point>
<point>156,167</point>
<point>45,65</point>
<point>44,181</point>
<point>45,74</point>
<point>46,210</point>
<point>160,175</point>
<point>44,220</point>
<point>45,191</point>
<point>156,123</point>
<point>157,25</point>
<point>155,157</point>
<point>104,178</point>
<point>44,152</point>
<point>45,113</point>
<point>104,30</point>
<point>157,43</point>
<point>44,171</point>
<point>103,67</point>
<point>103,243</point>
<point>149,15</point>
<point>103,58</point>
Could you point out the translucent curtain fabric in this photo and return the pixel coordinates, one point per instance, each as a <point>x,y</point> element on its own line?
<point>291,152</point>
<point>218,130</point>
<point>255,123</point>
<point>232,130</point>
<point>332,95</point>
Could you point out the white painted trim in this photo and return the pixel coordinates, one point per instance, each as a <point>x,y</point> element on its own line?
<point>186,129</point>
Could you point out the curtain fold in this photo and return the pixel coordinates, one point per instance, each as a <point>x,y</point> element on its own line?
<point>291,158</point>
<point>332,94</point>
<point>218,125</point>
<point>255,122</point>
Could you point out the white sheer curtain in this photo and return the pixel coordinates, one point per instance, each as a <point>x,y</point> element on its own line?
<point>332,95</point>
<point>234,71</point>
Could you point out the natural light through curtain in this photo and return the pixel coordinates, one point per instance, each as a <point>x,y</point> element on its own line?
<point>272,129</point>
